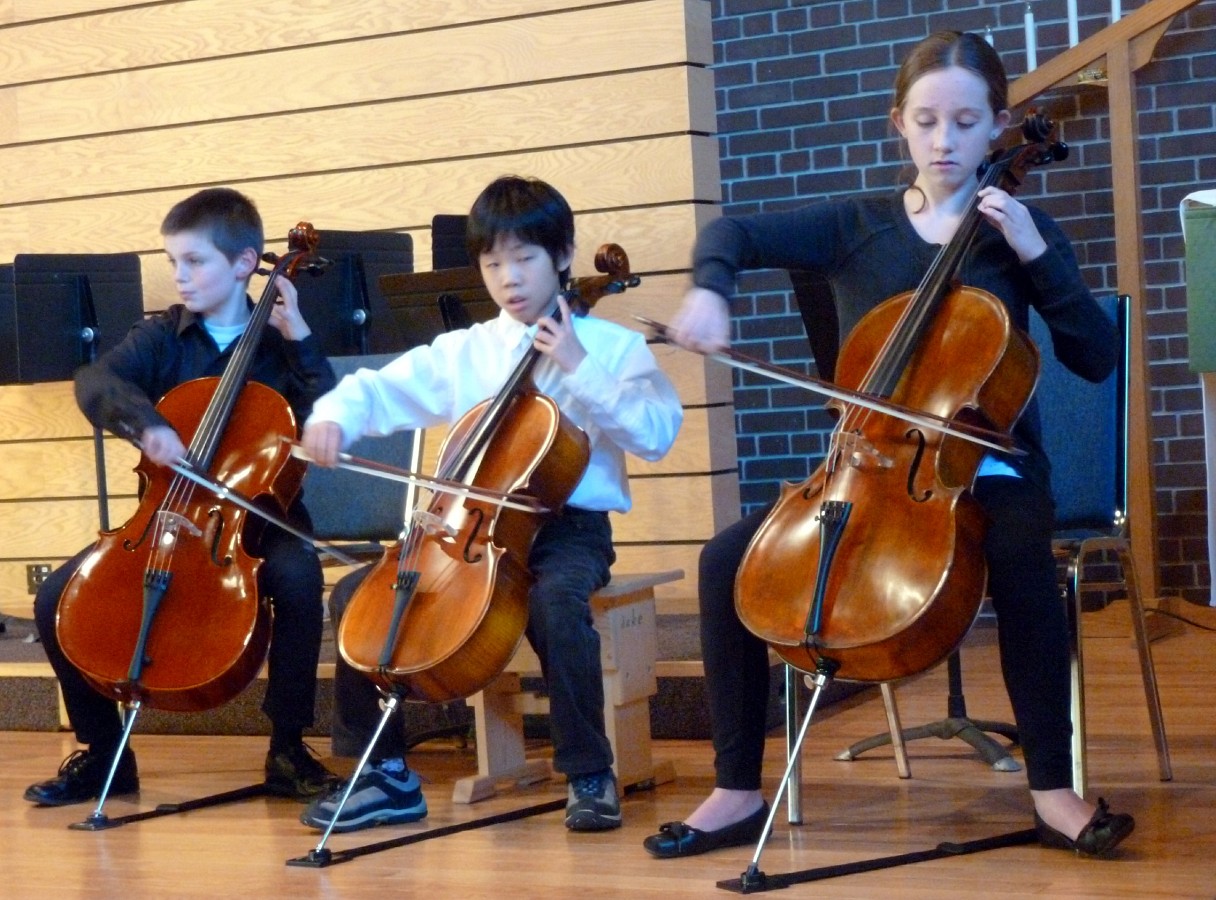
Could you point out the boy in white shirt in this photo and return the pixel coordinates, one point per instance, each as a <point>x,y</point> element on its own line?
<point>606,381</point>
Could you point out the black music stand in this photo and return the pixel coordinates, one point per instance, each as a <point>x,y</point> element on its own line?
<point>448,250</point>
<point>426,304</point>
<point>63,311</point>
<point>451,296</point>
<point>344,305</point>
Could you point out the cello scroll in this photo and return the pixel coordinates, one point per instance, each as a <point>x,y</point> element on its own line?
<point>584,293</point>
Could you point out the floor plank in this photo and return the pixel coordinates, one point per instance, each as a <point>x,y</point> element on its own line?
<point>853,810</point>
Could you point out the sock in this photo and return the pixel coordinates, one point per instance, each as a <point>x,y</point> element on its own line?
<point>105,748</point>
<point>282,740</point>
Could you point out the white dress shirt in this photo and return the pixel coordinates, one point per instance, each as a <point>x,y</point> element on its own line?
<point>618,395</point>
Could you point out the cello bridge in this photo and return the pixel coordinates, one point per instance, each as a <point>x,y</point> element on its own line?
<point>172,523</point>
<point>432,524</point>
<point>863,453</point>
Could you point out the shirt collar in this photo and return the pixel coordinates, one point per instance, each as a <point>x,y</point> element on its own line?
<point>189,318</point>
<point>513,332</point>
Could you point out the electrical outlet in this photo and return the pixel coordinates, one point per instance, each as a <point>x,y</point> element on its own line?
<point>35,574</point>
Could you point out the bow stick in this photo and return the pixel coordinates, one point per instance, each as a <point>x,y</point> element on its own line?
<point>392,473</point>
<point>985,437</point>
<point>186,469</point>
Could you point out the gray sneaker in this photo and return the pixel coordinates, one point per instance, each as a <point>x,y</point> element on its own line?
<point>378,798</point>
<point>592,803</point>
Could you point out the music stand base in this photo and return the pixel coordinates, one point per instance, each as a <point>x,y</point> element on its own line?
<point>957,724</point>
<point>971,731</point>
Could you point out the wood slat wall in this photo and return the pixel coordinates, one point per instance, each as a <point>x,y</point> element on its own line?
<point>356,115</point>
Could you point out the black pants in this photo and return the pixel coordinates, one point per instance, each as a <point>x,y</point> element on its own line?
<point>1033,639</point>
<point>570,561</point>
<point>290,575</point>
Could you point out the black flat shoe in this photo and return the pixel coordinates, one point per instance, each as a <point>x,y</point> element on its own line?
<point>1100,835</point>
<point>677,839</point>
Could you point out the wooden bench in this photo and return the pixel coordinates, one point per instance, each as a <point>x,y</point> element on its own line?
<point>623,612</point>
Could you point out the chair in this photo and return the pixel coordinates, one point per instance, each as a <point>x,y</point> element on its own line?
<point>360,529</point>
<point>1086,440</point>
<point>1088,452</point>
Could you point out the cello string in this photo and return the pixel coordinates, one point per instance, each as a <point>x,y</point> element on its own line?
<point>177,497</point>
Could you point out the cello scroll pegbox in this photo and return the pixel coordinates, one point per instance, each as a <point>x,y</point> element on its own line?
<point>584,293</point>
<point>302,243</point>
<point>1037,128</point>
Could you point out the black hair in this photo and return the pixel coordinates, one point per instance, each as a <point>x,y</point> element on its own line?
<point>528,208</point>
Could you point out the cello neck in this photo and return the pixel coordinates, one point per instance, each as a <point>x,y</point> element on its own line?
<point>1005,169</point>
<point>302,243</point>
<point>462,460</point>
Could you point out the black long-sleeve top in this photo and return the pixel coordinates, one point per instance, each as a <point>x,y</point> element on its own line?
<point>119,392</point>
<point>868,251</point>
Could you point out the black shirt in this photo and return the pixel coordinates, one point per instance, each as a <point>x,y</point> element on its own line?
<point>120,391</point>
<point>868,251</point>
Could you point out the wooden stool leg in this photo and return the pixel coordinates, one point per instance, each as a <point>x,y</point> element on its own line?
<point>500,742</point>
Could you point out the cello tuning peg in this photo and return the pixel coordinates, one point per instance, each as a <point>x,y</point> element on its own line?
<point>1037,127</point>
<point>317,265</point>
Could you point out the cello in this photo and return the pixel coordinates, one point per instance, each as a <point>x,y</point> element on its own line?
<point>872,569</point>
<point>442,612</point>
<point>164,610</point>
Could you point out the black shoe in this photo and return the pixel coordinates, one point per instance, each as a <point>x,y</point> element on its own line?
<point>296,774</point>
<point>677,839</point>
<point>1101,834</point>
<point>82,776</point>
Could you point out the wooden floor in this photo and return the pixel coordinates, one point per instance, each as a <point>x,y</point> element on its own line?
<point>854,811</point>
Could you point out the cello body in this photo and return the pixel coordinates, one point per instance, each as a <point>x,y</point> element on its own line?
<point>211,631</point>
<point>164,610</point>
<point>461,573</point>
<point>904,579</point>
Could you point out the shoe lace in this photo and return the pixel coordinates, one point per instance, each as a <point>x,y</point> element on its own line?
<point>74,763</point>
<point>589,785</point>
<point>307,762</point>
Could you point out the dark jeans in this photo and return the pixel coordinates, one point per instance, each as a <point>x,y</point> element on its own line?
<point>290,575</point>
<point>570,561</point>
<point>1032,629</point>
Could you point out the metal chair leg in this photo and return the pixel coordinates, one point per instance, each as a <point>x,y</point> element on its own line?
<point>793,717</point>
<point>1072,606</point>
<point>1147,672</point>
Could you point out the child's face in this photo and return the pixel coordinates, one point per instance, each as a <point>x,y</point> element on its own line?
<point>208,283</point>
<point>522,278</point>
<point>948,122</point>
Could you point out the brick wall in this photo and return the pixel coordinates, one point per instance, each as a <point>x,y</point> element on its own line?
<point>803,92</point>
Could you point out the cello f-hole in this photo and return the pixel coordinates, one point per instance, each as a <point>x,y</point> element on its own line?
<point>132,546</point>
<point>467,553</point>
<point>217,533</point>
<point>915,467</point>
